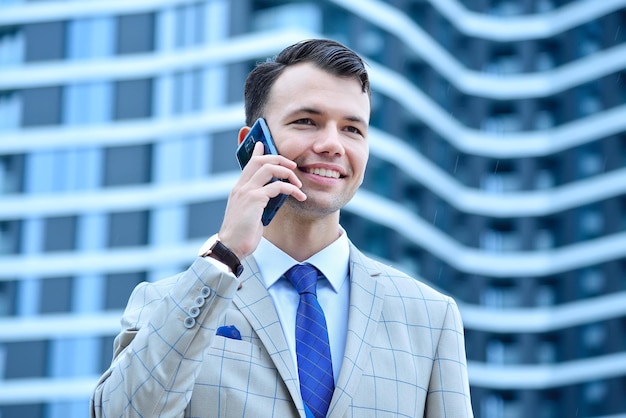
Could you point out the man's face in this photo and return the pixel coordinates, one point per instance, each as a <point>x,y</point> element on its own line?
<point>320,121</point>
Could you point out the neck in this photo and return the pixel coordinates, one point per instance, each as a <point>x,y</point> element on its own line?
<point>301,237</point>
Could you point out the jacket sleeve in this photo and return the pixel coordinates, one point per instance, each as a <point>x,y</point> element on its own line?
<point>448,392</point>
<point>166,327</point>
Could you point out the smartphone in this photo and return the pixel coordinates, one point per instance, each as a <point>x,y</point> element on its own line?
<point>261,133</point>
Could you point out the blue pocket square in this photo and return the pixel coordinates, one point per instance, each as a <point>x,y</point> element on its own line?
<point>229,331</point>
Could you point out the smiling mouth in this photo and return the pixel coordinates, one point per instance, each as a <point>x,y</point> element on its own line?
<point>323,172</point>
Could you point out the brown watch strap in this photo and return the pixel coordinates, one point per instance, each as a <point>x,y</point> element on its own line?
<point>223,254</point>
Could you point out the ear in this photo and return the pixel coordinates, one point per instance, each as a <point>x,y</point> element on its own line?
<point>242,134</point>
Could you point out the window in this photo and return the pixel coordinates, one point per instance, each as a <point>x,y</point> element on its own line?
<point>44,41</point>
<point>8,290</point>
<point>550,404</point>
<point>412,195</point>
<point>591,161</point>
<point>106,345</point>
<point>119,286</point>
<point>501,295</point>
<point>592,281</point>
<point>11,45</point>
<point>128,229</point>
<point>501,405</point>
<point>135,33</point>
<point>10,108</point>
<point>377,240</point>
<point>544,239</point>
<point>503,350</point>
<point>133,99</point>
<point>500,237</point>
<point>10,237</point>
<point>11,169</point>
<point>502,177</point>
<point>127,165</point>
<point>591,222</point>
<point>591,35</point>
<point>503,119</point>
<point>545,294</point>
<point>289,15</point>
<point>544,179</point>
<point>223,146</point>
<point>41,106</point>
<point>56,295</point>
<point>378,176</point>
<point>505,8</point>
<point>595,394</point>
<point>24,359</point>
<point>546,352</point>
<point>22,411</point>
<point>204,219</point>
<point>59,234</point>
<point>504,61</point>
<point>232,87</point>
<point>594,338</point>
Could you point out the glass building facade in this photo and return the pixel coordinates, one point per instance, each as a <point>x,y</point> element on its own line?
<point>497,175</point>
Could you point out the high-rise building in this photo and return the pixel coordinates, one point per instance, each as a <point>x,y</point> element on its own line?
<point>497,174</point>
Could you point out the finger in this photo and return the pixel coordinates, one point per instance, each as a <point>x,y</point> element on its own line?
<point>280,187</point>
<point>284,173</point>
<point>267,172</point>
<point>274,159</point>
<point>258,149</point>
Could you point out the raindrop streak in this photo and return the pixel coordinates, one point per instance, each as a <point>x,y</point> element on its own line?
<point>456,164</point>
<point>495,170</point>
<point>435,218</point>
<point>617,32</point>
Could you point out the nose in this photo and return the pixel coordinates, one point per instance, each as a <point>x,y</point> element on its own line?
<point>329,142</point>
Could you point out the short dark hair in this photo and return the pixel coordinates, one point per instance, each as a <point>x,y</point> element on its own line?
<point>327,55</point>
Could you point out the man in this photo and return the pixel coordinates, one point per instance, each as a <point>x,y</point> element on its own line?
<point>208,344</point>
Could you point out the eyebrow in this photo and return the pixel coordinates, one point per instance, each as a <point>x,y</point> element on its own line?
<point>314,111</point>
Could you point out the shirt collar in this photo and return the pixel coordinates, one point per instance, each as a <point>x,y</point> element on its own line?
<point>333,261</point>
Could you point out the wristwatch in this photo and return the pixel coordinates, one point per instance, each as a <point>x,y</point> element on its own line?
<point>213,247</point>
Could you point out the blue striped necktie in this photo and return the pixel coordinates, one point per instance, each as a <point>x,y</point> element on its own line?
<point>312,350</point>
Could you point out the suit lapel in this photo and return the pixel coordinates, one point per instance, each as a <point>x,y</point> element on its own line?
<point>366,302</point>
<point>257,306</point>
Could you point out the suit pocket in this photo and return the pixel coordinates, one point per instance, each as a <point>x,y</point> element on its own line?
<point>229,346</point>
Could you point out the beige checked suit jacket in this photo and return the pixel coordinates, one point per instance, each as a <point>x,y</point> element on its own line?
<point>405,354</point>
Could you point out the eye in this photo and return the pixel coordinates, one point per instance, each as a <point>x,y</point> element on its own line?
<point>303,121</point>
<point>354,130</point>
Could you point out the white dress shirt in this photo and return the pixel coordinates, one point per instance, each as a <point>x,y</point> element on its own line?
<point>333,294</point>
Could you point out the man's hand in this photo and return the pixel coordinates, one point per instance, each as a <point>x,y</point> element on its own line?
<point>242,229</point>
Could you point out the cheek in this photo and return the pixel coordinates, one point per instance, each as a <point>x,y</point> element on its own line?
<point>290,152</point>
<point>284,148</point>
<point>291,148</point>
<point>359,160</point>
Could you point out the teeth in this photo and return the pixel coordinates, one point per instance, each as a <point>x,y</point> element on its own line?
<point>324,172</point>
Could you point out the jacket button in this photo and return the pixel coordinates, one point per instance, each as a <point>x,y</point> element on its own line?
<point>194,311</point>
<point>189,322</point>
<point>205,292</point>
<point>199,301</point>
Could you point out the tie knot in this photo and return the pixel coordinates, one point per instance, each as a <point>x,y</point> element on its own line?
<point>303,277</point>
